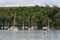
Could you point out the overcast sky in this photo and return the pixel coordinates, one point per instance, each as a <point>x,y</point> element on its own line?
<point>29,2</point>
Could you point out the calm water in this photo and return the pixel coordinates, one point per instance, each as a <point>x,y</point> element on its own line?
<point>29,35</point>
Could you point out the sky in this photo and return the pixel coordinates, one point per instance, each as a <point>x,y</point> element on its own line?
<point>29,2</point>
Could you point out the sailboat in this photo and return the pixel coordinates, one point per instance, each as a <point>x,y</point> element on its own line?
<point>47,27</point>
<point>14,28</point>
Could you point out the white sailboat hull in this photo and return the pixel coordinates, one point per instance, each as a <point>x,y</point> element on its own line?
<point>14,28</point>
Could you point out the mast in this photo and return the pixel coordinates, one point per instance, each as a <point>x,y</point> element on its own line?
<point>23,24</point>
<point>14,19</point>
<point>48,25</point>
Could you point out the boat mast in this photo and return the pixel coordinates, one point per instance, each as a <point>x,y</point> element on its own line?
<point>48,25</point>
<point>14,19</point>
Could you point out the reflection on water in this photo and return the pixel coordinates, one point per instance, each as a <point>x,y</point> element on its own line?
<point>29,35</point>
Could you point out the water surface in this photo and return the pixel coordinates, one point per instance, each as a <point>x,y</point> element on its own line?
<point>29,35</point>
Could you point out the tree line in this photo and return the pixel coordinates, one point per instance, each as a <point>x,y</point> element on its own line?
<point>32,15</point>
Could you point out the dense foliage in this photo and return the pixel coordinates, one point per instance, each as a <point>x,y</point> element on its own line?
<point>38,16</point>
